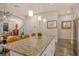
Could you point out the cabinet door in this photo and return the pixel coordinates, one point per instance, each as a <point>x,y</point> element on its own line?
<point>50,50</point>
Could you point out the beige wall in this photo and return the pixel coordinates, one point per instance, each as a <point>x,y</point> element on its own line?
<point>32,25</point>
<point>65,33</point>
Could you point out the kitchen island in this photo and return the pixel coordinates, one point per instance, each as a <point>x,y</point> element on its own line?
<point>33,47</point>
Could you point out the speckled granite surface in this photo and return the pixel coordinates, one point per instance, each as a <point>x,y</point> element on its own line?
<point>30,47</point>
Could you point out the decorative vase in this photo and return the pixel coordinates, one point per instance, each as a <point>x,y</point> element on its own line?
<point>39,35</point>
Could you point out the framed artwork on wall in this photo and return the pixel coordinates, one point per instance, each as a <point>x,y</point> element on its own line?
<point>52,24</point>
<point>66,25</point>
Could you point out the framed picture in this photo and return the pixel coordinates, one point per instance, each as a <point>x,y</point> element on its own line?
<point>52,24</point>
<point>66,24</point>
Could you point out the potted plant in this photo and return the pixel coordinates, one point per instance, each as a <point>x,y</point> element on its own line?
<point>39,35</point>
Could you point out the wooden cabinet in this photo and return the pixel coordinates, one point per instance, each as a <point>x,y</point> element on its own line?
<point>12,53</point>
<point>50,50</point>
<point>47,47</point>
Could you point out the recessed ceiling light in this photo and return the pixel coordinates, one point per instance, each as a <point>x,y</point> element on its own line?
<point>30,13</point>
<point>39,18</point>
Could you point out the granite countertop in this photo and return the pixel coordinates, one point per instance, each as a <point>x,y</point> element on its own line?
<point>30,47</point>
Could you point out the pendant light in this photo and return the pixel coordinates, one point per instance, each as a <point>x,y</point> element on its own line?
<point>30,13</point>
<point>4,16</point>
<point>39,18</point>
<point>44,20</point>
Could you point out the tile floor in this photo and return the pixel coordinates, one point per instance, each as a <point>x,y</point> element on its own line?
<point>64,48</point>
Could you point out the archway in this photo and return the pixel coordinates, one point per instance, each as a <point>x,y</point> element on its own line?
<point>11,20</point>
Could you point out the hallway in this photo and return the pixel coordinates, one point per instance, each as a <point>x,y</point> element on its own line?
<point>64,48</point>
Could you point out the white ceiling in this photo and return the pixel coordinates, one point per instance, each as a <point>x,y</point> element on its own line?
<point>22,8</point>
